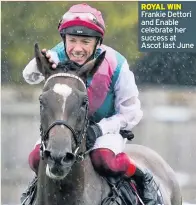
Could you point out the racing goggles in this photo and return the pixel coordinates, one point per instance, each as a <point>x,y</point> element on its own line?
<point>88,17</point>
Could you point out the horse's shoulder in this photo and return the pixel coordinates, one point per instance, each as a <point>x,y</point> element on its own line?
<point>95,185</point>
<point>146,157</point>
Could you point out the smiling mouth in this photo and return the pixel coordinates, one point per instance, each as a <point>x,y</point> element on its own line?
<point>77,56</point>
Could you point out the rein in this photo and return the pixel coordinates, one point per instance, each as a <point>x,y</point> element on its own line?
<point>78,137</point>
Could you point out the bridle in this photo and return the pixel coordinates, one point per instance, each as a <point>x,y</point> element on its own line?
<point>78,136</point>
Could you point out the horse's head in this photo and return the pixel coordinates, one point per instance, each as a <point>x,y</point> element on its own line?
<point>63,112</point>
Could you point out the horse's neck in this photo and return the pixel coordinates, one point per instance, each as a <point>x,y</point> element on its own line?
<point>67,191</point>
<point>71,188</point>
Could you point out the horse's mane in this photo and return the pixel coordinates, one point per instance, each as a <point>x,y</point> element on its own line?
<point>68,66</point>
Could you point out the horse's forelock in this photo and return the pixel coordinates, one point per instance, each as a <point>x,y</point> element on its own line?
<point>68,66</point>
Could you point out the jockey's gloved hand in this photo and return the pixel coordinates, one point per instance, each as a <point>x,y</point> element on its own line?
<point>127,134</point>
<point>92,133</point>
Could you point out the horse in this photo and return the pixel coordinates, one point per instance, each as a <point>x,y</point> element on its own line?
<point>65,174</point>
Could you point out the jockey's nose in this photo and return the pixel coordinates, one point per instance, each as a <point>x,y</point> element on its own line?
<point>78,48</point>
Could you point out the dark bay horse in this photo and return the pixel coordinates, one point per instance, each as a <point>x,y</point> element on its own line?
<point>65,176</point>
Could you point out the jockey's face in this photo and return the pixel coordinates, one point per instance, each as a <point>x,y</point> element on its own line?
<point>79,48</point>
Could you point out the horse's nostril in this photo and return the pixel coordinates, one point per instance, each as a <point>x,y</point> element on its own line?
<point>69,157</point>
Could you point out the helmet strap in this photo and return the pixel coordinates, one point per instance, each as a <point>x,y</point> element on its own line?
<point>93,54</point>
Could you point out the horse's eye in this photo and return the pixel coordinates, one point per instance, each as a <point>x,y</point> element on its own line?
<point>41,106</point>
<point>83,103</point>
<point>42,102</point>
<point>40,98</point>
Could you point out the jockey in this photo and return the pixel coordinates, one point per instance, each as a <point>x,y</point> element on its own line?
<point>82,30</point>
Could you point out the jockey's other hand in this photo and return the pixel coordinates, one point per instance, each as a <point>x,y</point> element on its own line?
<point>127,134</point>
<point>49,58</point>
<point>92,133</point>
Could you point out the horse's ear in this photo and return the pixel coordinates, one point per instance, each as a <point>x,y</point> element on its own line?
<point>38,57</point>
<point>92,66</point>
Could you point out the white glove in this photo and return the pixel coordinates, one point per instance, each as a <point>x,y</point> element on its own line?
<point>112,125</point>
<point>31,73</point>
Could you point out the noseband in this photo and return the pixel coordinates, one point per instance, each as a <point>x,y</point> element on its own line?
<point>78,137</point>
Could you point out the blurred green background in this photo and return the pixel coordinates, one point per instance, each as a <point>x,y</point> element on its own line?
<point>24,23</point>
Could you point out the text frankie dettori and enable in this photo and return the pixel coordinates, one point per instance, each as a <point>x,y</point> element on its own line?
<point>161,14</point>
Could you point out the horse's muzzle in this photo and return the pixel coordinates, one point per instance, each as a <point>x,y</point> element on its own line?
<point>59,166</point>
<point>68,158</point>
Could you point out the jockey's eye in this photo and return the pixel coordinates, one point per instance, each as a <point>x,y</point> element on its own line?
<point>86,42</point>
